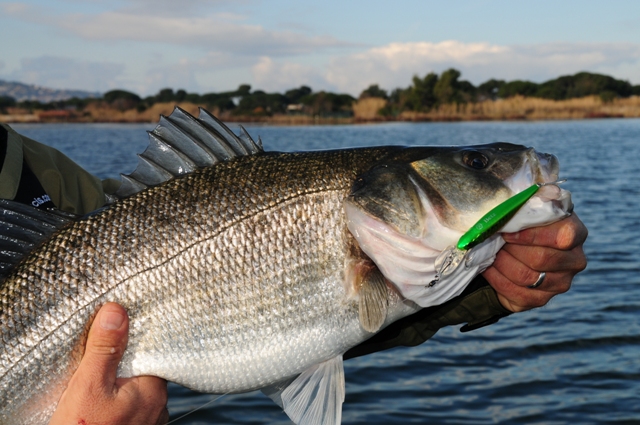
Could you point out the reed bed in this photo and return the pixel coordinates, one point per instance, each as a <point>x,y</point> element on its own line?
<point>524,108</point>
<point>366,110</point>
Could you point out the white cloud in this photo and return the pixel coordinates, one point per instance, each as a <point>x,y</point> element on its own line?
<point>393,65</point>
<point>270,76</point>
<point>221,32</point>
<point>180,75</point>
<point>214,33</point>
<point>65,73</point>
<point>15,8</point>
<point>176,8</point>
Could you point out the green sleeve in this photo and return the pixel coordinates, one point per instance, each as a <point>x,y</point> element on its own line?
<point>477,306</point>
<point>69,186</point>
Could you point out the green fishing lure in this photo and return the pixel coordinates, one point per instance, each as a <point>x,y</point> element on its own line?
<point>492,221</point>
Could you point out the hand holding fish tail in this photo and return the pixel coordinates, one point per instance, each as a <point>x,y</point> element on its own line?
<point>94,394</point>
<point>555,249</point>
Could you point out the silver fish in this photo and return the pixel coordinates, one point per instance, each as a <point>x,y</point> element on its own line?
<point>243,269</point>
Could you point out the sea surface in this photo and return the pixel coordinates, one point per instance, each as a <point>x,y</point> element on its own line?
<point>574,361</point>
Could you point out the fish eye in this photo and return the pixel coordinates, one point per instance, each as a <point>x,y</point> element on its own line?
<point>475,160</point>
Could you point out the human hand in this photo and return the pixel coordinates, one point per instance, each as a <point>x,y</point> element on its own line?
<point>555,249</point>
<point>95,396</point>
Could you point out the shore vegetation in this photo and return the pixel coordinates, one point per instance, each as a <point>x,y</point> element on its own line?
<point>431,97</point>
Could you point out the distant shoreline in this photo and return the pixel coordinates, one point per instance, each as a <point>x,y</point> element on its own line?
<point>517,108</point>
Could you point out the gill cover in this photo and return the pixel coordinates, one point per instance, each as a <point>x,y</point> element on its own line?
<point>408,211</point>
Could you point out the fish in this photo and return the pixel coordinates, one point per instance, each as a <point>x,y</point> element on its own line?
<point>243,269</point>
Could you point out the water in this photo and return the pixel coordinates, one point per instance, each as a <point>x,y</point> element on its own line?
<point>577,360</point>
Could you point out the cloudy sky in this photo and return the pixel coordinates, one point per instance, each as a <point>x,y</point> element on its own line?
<point>343,46</point>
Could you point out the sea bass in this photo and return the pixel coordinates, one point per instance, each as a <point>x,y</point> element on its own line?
<point>243,269</point>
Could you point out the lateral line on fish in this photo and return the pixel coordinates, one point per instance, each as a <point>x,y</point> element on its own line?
<point>197,408</point>
<point>114,287</point>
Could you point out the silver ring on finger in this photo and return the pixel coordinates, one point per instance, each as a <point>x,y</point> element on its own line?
<point>539,281</point>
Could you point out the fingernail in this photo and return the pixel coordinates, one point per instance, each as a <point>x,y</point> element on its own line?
<point>111,320</point>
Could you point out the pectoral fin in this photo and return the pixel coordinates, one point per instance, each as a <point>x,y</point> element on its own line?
<point>315,397</point>
<point>373,301</point>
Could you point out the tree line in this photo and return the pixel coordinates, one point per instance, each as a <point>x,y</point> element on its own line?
<point>424,94</point>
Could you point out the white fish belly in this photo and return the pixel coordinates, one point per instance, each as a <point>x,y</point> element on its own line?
<point>244,320</point>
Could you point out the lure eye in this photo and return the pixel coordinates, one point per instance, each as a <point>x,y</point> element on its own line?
<point>475,160</point>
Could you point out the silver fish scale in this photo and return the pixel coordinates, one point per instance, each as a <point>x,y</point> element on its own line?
<point>232,277</point>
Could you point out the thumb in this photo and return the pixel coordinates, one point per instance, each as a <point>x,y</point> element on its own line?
<point>105,345</point>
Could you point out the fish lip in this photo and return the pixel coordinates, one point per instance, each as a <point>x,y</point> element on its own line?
<point>548,167</point>
<point>536,168</point>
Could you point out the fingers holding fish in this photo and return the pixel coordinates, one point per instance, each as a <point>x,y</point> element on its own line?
<point>512,280</point>
<point>563,235</point>
<point>555,250</point>
<point>95,395</point>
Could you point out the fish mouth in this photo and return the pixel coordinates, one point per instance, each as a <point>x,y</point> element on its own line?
<point>537,167</point>
<point>548,167</point>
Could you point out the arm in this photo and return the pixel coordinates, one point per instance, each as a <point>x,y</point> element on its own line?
<point>96,396</point>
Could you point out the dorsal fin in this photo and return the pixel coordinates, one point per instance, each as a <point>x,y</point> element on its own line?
<point>22,227</point>
<point>180,144</point>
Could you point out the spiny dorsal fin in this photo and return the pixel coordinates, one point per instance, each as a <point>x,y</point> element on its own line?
<point>22,227</point>
<point>373,302</point>
<point>180,144</point>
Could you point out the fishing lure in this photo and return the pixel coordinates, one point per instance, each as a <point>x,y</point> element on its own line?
<point>450,259</point>
<point>492,221</point>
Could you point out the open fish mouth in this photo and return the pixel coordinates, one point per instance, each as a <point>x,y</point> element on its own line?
<point>537,167</point>
<point>548,166</point>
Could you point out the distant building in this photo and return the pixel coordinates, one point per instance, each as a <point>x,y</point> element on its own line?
<point>295,108</point>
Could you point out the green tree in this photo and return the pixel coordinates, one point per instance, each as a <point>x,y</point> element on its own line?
<point>114,95</point>
<point>120,99</point>
<point>490,89</point>
<point>447,88</point>
<point>397,102</point>
<point>243,90</point>
<point>328,104</point>
<point>373,91</point>
<point>517,87</point>
<point>294,95</point>
<point>221,101</point>
<point>6,102</point>
<point>180,95</point>
<point>261,103</point>
<point>584,84</point>
<point>165,95</point>
<point>420,96</point>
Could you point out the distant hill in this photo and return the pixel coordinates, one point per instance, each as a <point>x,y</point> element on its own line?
<point>21,92</point>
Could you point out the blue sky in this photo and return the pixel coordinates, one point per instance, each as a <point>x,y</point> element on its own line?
<point>343,46</point>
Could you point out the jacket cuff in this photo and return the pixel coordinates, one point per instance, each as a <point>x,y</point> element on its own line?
<point>477,306</point>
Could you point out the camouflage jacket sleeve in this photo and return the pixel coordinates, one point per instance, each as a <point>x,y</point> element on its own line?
<point>29,167</point>
<point>477,306</point>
